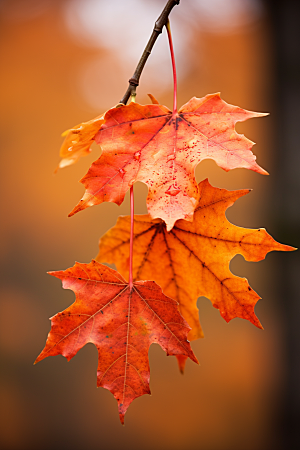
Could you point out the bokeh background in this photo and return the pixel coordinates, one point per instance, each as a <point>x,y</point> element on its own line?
<point>66,61</point>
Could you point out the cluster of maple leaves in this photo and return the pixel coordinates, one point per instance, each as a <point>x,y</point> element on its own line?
<point>184,245</point>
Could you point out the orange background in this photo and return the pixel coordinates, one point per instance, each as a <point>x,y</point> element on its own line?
<point>233,400</point>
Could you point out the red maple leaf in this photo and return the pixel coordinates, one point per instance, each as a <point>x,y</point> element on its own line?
<point>122,323</point>
<point>162,149</point>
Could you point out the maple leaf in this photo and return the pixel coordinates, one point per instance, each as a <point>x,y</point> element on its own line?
<point>78,141</point>
<point>192,260</point>
<point>161,149</point>
<point>121,323</point>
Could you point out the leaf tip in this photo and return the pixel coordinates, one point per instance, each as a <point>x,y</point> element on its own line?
<point>74,211</point>
<point>51,272</point>
<point>181,360</point>
<point>256,168</point>
<point>196,360</point>
<point>288,248</point>
<point>255,321</point>
<point>39,358</point>
<point>153,99</point>
<point>263,171</point>
<point>259,114</point>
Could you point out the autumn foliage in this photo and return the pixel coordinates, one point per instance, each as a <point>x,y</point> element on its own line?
<point>149,143</point>
<point>78,141</point>
<point>122,323</point>
<point>183,247</point>
<point>192,260</point>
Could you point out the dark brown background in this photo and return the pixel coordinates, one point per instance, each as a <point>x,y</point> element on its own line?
<point>245,394</point>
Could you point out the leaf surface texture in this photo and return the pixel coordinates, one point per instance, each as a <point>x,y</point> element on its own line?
<point>149,143</point>
<point>121,323</point>
<point>192,260</point>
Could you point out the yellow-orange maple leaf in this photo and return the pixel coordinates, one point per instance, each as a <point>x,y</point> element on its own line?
<point>192,260</point>
<point>78,141</point>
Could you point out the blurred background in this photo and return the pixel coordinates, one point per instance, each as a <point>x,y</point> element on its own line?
<point>66,61</point>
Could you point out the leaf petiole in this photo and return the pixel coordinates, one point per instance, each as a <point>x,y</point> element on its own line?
<point>132,99</point>
<point>131,238</point>
<point>173,66</point>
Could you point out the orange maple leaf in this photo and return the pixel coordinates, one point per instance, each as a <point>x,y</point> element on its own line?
<point>192,260</point>
<point>78,141</point>
<point>151,144</point>
<point>121,323</point>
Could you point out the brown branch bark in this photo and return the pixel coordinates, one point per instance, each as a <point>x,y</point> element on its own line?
<point>158,27</point>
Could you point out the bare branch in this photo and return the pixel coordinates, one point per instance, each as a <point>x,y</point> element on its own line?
<point>158,27</point>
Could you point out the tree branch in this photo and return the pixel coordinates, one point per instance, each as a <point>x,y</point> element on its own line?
<point>158,27</point>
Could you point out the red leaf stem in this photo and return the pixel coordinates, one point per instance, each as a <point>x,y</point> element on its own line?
<point>131,238</point>
<point>173,66</point>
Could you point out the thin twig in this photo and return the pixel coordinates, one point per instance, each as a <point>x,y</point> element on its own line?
<point>158,27</point>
